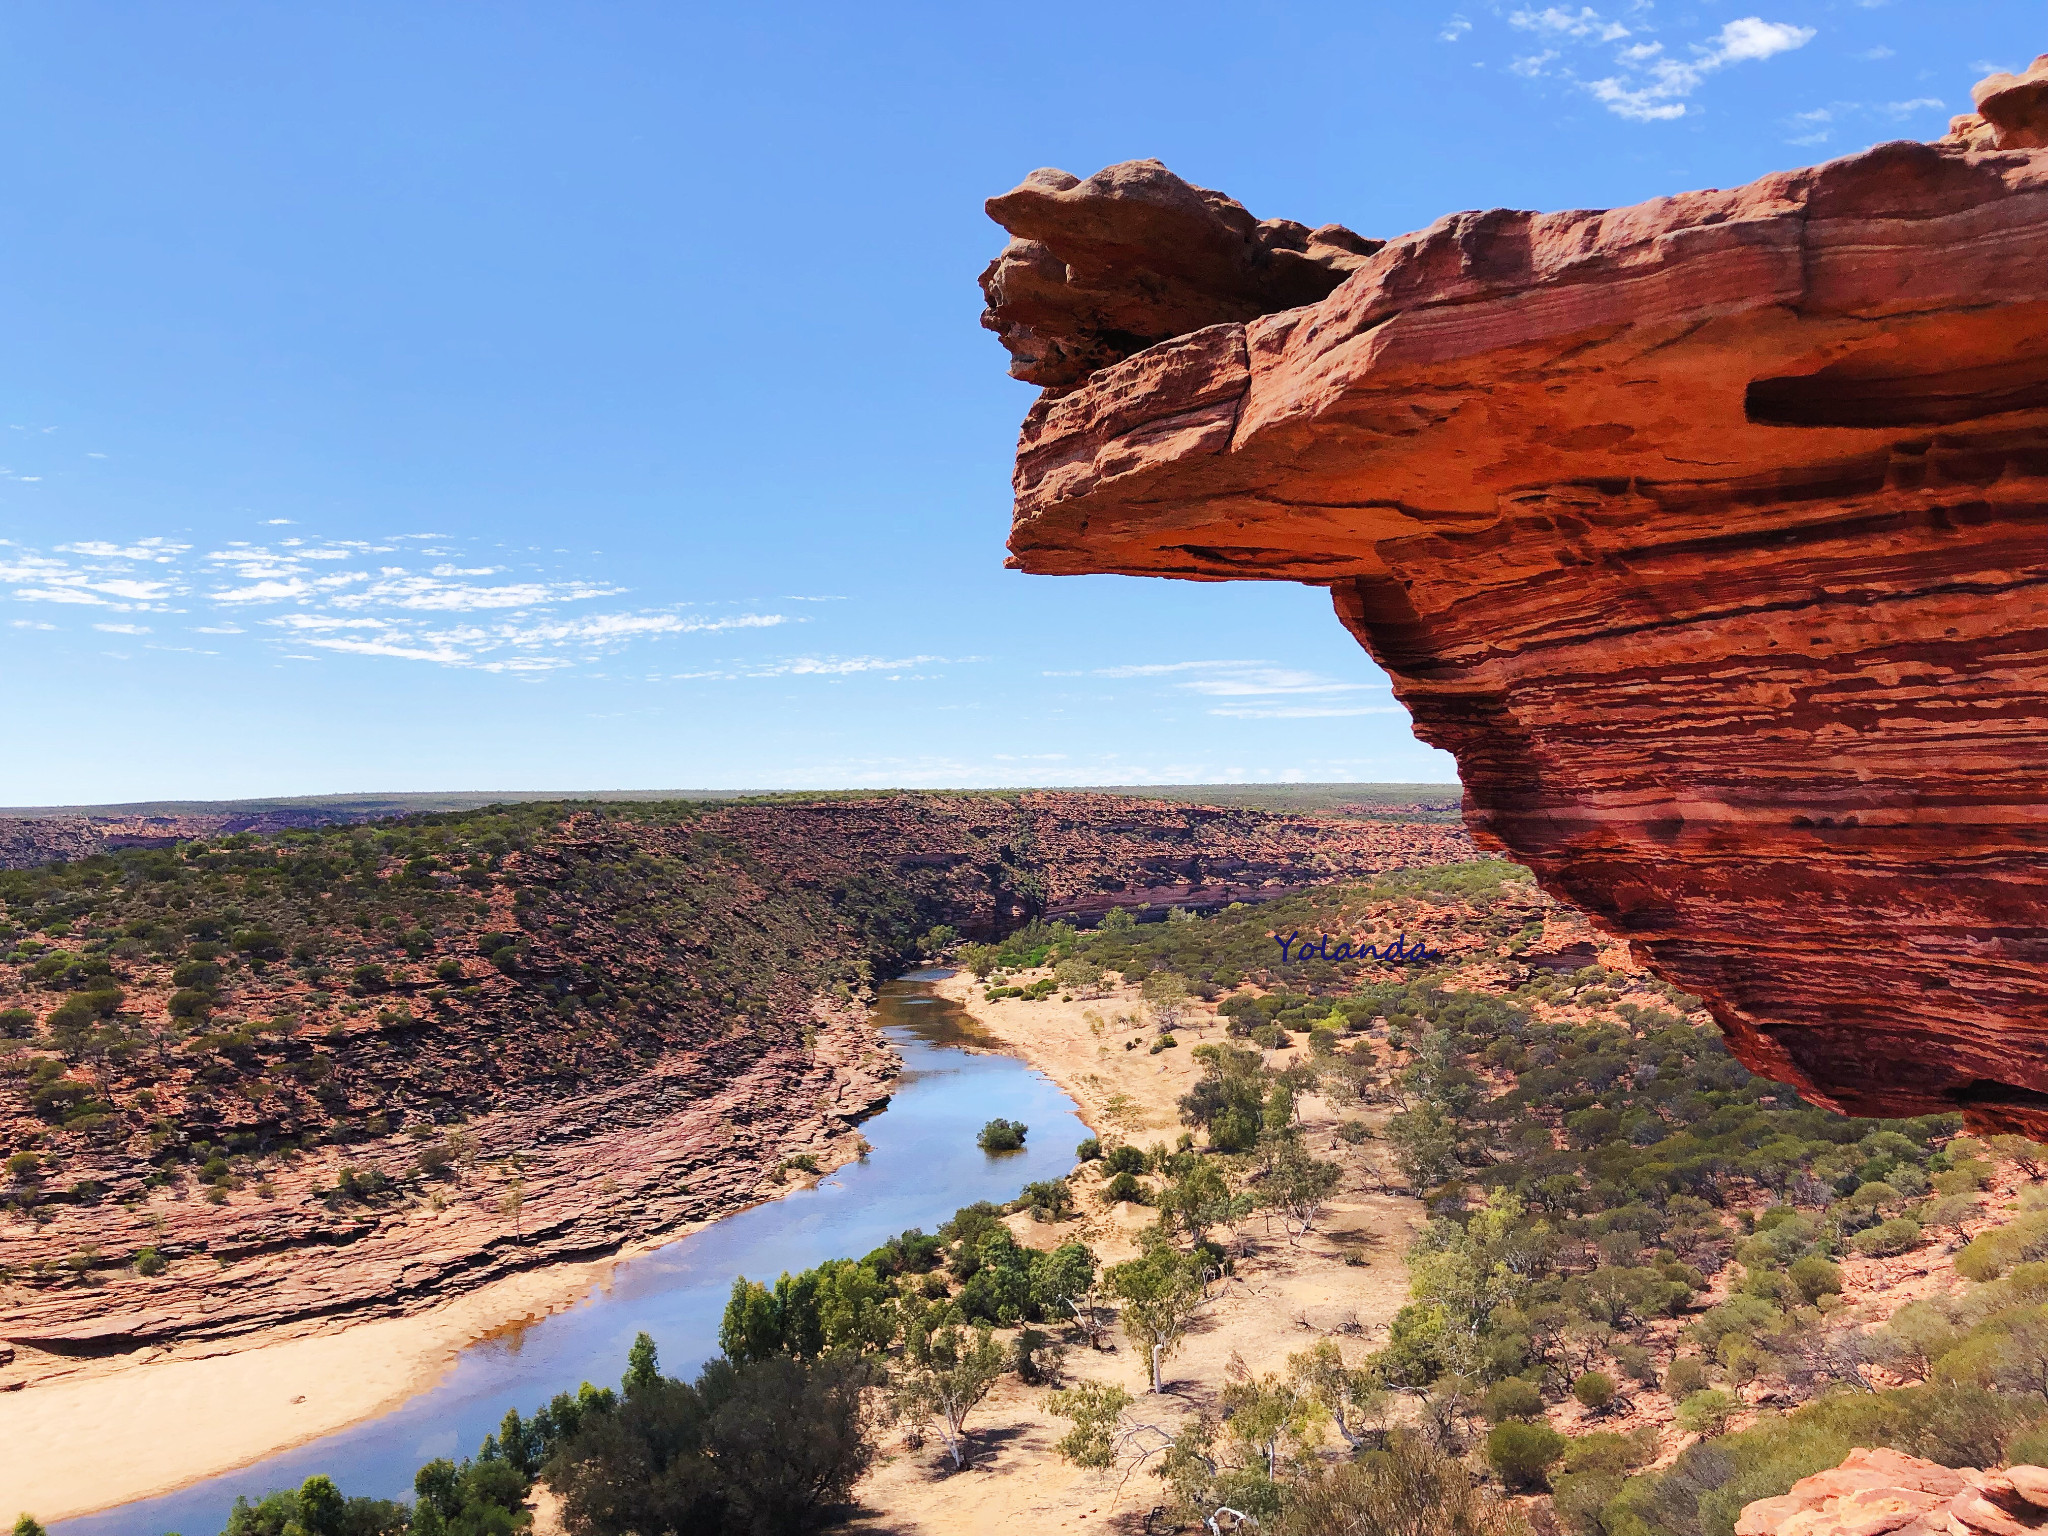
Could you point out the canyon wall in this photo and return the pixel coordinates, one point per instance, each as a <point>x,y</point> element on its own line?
<point>1710,535</point>
<point>347,1073</point>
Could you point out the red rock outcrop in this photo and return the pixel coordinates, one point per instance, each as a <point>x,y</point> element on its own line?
<point>1711,536</point>
<point>1876,1492</point>
<point>1103,268</point>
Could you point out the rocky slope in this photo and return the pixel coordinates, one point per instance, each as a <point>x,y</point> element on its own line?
<point>350,1070</point>
<point>1708,535</point>
<point>1886,1491</point>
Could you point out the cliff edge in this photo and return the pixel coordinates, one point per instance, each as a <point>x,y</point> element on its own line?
<point>1710,535</point>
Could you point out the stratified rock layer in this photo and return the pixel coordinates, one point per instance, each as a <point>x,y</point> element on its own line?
<point>1711,535</point>
<point>1875,1492</point>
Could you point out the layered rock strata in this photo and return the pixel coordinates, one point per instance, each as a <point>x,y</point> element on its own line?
<point>1711,536</point>
<point>1881,1491</point>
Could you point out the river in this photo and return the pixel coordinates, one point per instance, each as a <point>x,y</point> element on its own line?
<point>924,1165</point>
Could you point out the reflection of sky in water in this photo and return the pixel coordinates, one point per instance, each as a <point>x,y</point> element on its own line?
<point>924,1165</point>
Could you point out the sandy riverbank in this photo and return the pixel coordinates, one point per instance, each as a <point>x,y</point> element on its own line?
<point>87,1434</point>
<point>1343,1282</point>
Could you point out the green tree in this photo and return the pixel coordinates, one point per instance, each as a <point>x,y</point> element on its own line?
<point>1158,1296</point>
<point>643,1364</point>
<point>945,1376</point>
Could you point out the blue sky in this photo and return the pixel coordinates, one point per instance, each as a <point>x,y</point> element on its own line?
<point>591,396</point>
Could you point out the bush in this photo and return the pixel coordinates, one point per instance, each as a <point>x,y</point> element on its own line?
<point>1124,1187</point>
<point>1352,1132</point>
<point>1894,1236</point>
<point>1815,1277</point>
<point>1088,1151</point>
<point>149,1262</point>
<point>1125,1159</point>
<point>1594,1390</point>
<point>16,1023</point>
<point>1522,1454</point>
<point>1516,1397</point>
<point>1708,1412</point>
<point>1001,1135</point>
<point>1687,1375</point>
<point>372,978</point>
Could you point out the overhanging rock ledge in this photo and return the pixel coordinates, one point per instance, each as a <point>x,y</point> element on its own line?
<point>1710,535</point>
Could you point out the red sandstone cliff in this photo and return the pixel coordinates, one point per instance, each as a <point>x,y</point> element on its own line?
<point>1711,535</point>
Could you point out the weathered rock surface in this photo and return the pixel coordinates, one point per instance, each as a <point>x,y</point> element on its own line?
<point>1711,535</point>
<point>1103,268</point>
<point>1874,1492</point>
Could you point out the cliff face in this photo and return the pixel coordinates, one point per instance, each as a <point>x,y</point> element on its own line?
<point>351,1071</point>
<point>1711,535</point>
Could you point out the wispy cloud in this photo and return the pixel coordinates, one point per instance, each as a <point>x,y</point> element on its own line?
<point>1243,681</point>
<point>826,666</point>
<point>355,597</point>
<point>1559,21</point>
<point>1650,84</point>
<point>1454,29</point>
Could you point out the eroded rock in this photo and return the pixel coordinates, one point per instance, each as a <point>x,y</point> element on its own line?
<point>1103,268</point>
<point>1877,1492</point>
<point>1711,536</point>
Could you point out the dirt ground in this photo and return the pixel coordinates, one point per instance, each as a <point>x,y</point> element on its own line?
<point>1344,1282</point>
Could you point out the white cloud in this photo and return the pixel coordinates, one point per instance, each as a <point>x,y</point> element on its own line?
<point>826,666</point>
<point>1533,64</point>
<point>1651,83</point>
<point>1585,23</point>
<point>1917,104</point>
<point>1454,29</point>
<point>278,522</point>
<point>29,624</point>
<point>1872,55</point>
<point>1754,38</point>
<point>536,622</point>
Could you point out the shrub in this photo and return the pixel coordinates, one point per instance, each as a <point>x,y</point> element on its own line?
<point>1891,1237</point>
<point>1687,1375</point>
<point>1594,1389</point>
<point>1352,1132</point>
<point>1708,1412</point>
<point>449,969</point>
<point>16,1023</point>
<point>1088,1151</point>
<point>1515,1397</point>
<point>1001,1135</point>
<point>149,1262</point>
<point>1522,1454</point>
<point>1815,1277</point>
<point>1124,1187</point>
<point>1124,1159</point>
<point>23,1164</point>
<point>372,977</point>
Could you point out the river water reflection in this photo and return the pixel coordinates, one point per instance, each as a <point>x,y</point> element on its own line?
<point>924,1165</point>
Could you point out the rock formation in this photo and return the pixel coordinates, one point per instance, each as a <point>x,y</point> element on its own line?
<point>1710,535</point>
<point>1874,1492</point>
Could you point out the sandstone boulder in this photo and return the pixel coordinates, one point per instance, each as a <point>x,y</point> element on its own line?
<point>1876,1492</point>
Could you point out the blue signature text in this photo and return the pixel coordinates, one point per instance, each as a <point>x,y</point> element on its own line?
<point>1319,949</point>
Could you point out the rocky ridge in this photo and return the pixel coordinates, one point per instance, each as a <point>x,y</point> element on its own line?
<point>1707,534</point>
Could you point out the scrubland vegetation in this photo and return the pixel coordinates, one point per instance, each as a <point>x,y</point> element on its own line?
<point>1634,1304</point>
